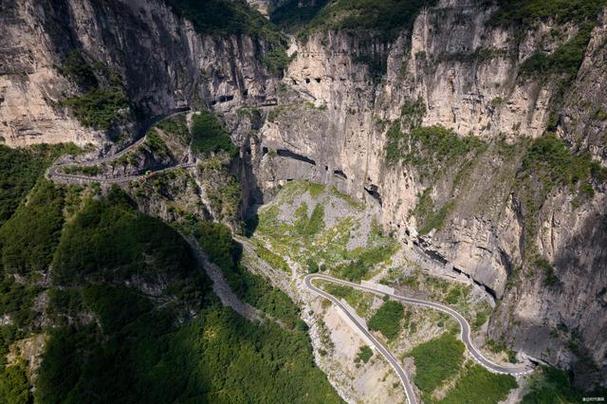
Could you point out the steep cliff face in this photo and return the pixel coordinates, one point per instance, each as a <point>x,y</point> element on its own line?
<point>353,111</point>
<point>162,61</point>
<point>462,71</point>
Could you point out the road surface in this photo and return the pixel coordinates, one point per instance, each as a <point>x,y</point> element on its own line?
<point>54,172</point>
<point>402,375</point>
<point>515,370</point>
<point>57,176</point>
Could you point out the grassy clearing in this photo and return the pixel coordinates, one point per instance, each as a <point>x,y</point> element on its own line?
<point>437,361</point>
<point>387,319</point>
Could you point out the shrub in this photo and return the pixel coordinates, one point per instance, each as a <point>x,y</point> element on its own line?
<point>387,319</point>
<point>528,12</point>
<point>550,161</point>
<point>275,261</point>
<point>436,361</point>
<point>312,266</point>
<point>354,271</point>
<point>77,68</point>
<point>364,354</point>
<point>176,126</point>
<point>551,385</point>
<point>478,385</point>
<point>14,386</point>
<point>294,14</point>
<point>429,149</point>
<point>210,136</point>
<point>565,60</point>
<point>99,108</point>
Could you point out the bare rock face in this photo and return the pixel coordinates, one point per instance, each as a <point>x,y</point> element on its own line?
<point>466,73</point>
<point>164,63</point>
<point>336,103</point>
<point>584,118</point>
<point>30,86</point>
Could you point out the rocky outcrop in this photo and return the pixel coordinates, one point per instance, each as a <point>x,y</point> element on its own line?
<point>164,64</point>
<point>336,103</point>
<point>466,72</point>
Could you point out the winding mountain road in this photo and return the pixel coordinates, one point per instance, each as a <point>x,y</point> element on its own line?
<point>464,327</point>
<point>54,171</point>
<point>379,346</point>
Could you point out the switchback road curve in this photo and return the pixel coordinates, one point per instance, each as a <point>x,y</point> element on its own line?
<point>402,375</point>
<point>465,334</point>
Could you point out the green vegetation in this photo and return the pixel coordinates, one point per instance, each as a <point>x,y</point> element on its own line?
<point>309,227</point>
<point>499,346</point>
<point>275,261</point>
<point>139,281</point>
<point>436,361</point>
<point>276,60</point>
<point>528,12</point>
<point>359,301</point>
<point>551,385</point>
<point>176,126</point>
<point>216,240</point>
<point>29,238</point>
<point>156,145</point>
<point>354,271</point>
<point>98,108</point>
<point>14,386</point>
<point>224,17</point>
<point>429,149</point>
<point>101,105</point>
<point>88,245</point>
<point>364,354</point>
<point>550,278</point>
<point>550,161</point>
<point>387,319</point>
<point>478,385</point>
<point>427,215</point>
<point>384,17</point>
<point>79,70</point>
<point>20,170</point>
<point>293,15</point>
<point>549,164</point>
<point>565,60</point>
<point>210,136</point>
<point>307,239</point>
